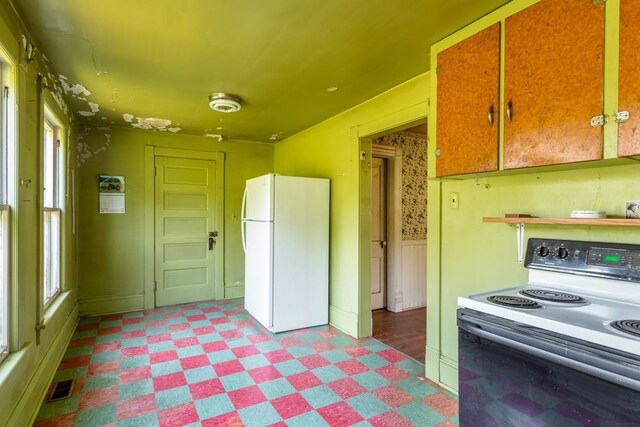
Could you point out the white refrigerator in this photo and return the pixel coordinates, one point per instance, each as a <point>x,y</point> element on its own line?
<point>285,236</point>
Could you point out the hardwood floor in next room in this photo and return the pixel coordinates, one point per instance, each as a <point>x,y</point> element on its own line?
<point>405,331</point>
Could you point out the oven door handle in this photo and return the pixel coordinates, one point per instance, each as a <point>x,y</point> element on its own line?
<point>568,362</point>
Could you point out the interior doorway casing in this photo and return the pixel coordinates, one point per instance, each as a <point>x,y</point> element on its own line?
<point>149,216</point>
<point>362,136</point>
<point>394,222</point>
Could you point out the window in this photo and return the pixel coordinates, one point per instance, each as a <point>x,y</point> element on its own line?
<point>52,211</point>
<point>6,197</point>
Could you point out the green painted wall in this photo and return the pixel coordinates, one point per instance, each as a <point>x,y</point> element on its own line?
<point>332,150</point>
<point>477,257</point>
<point>27,371</point>
<point>111,247</point>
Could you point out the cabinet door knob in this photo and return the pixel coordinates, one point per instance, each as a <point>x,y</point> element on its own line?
<point>509,111</point>
<point>438,152</point>
<point>490,115</point>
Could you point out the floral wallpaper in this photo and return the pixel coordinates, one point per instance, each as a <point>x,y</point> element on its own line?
<point>414,181</point>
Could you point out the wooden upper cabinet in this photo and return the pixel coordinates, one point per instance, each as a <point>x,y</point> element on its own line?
<point>468,79</point>
<point>629,84</point>
<point>553,83</point>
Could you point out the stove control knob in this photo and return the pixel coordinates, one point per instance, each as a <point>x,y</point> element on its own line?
<point>563,253</point>
<point>543,251</point>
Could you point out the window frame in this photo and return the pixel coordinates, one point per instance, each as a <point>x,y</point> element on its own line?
<point>51,272</point>
<point>7,198</point>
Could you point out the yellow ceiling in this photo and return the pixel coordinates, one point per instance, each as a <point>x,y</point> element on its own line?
<point>160,59</point>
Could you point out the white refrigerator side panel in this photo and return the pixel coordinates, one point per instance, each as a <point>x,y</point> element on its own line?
<point>301,253</point>
<point>259,198</point>
<point>258,271</point>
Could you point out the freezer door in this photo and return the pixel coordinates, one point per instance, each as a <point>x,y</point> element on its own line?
<point>258,271</point>
<point>301,253</point>
<point>258,203</point>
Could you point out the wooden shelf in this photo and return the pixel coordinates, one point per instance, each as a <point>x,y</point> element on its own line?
<point>611,222</point>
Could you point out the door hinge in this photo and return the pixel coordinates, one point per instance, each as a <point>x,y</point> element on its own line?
<point>622,116</point>
<point>155,171</point>
<point>5,93</point>
<point>598,120</point>
<point>438,69</point>
<point>598,2</point>
<point>155,286</point>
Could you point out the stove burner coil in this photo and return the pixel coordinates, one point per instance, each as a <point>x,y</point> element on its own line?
<point>631,327</point>
<point>515,302</point>
<point>555,296</point>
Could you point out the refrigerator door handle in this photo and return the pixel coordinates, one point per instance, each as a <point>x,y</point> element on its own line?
<point>244,202</point>
<point>242,222</point>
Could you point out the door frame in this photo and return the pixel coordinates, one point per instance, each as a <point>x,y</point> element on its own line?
<point>361,137</point>
<point>393,155</point>
<point>150,153</point>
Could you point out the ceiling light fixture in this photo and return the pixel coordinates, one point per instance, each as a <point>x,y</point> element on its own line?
<point>224,102</point>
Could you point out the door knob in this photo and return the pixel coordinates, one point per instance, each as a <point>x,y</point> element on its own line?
<point>383,243</point>
<point>212,239</point>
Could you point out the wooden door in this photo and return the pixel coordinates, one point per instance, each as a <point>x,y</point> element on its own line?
<point>629,85</point>
<point>185,214</point>
<point>468,76</point>
<point>553,83</point>
<point>378,233</point>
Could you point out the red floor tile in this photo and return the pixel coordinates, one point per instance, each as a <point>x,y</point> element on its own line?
<point>231,419</point>
<point>169,381</point>
<point>340,415</point>
<point>441,402</point>
<point>206,388</point>
<point>152,339</point>
<point>245,351</point>
<point>104,368</point>
<point>278,356</point>
<point>390,419</point>
<point>136,406</point>
<point>313,361</point>
<point>163,356</point>
<point>74,362</point>
<point>105,396</point>
<point>178,416</point>
<point>228,368</point>
<point>392,355</point>
<point>393,396</point>
<point>303,380</point>
<point>247,396</point>
<point>393,373</point>
<point>212,347</point>
<point>264,373</point>
<point>291,405</point>
<point>194,362</point>
<point>351,367</point>
<point>346,388</point>
<point>135,351</point>
<point>135,374</point>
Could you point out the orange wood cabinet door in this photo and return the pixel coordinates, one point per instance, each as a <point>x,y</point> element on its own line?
<point>553,83</point>
<point>629,85</point>
<point>467,109</point>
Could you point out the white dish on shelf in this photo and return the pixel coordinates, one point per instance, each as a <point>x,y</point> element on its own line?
<point>588,214</point>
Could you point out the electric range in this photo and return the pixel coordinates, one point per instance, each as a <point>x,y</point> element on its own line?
<point>571,334</point>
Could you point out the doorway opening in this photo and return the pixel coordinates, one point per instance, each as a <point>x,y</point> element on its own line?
<point>398,239</point>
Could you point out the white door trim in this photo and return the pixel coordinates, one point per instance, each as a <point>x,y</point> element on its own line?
<point>394,222</point>
<point>150,152</point>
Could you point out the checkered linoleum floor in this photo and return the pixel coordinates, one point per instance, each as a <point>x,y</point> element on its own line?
<point>211,364</point>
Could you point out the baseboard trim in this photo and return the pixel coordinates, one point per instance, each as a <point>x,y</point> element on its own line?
<point>449,374</point>
<point>344,320</point>
<point>110,305</point>
<point>234,291</point>
<point>26,410</point>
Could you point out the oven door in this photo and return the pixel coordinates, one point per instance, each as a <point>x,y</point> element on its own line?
<point>516,375</point>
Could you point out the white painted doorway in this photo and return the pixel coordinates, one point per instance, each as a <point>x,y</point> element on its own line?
<point>378,233</point>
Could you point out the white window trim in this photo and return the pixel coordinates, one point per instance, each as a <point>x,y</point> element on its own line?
<point>58,190</point>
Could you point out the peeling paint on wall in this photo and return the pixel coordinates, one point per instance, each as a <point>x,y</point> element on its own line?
<point>215,136</point>
<point>128,117</point>
<point>84,150</point>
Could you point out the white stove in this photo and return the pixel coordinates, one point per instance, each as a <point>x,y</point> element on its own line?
<point>594,295</point>
<point>561,349</point>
